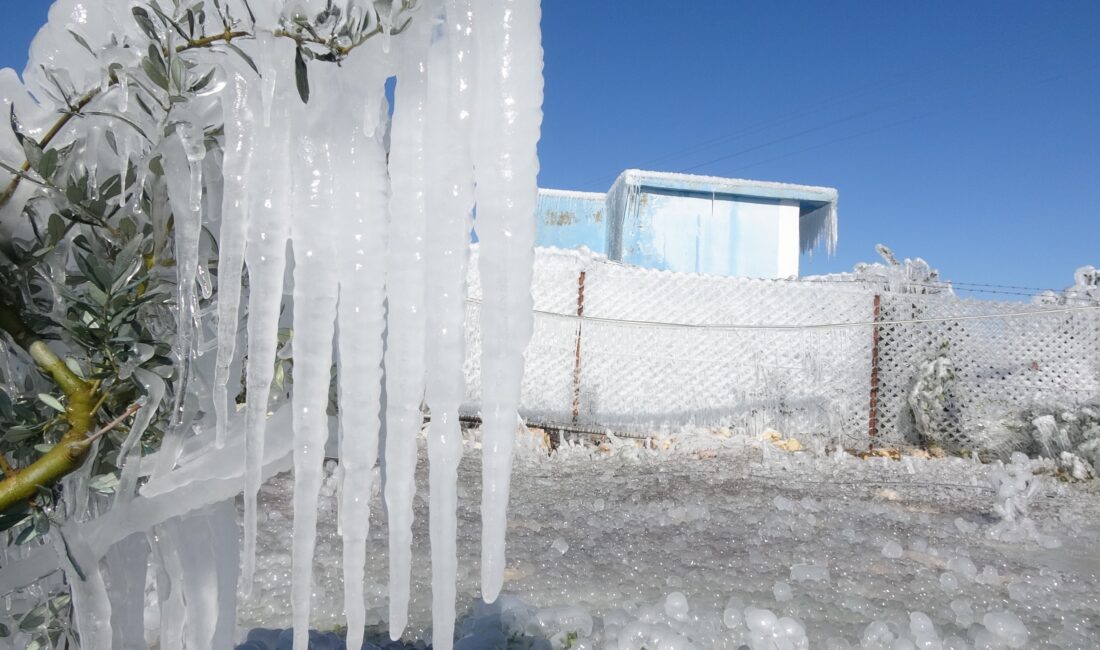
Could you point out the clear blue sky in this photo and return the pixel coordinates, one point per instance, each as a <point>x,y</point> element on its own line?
<point>962,132</point>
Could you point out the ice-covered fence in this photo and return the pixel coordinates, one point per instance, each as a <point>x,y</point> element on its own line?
<point>656,348</point>
<point>1006,358</point>
<point>636,349</point>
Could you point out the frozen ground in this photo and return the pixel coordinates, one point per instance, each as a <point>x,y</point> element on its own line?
<point>705,541</point>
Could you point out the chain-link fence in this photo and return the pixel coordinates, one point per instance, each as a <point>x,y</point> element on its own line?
<point>633,349</point>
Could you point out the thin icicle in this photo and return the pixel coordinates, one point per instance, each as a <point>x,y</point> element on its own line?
<point>405,291</point>
<point>129,452</point>
<point>184,181</point>
<point>90,599</point>
<point>238,118</point>
<point>509,115</point>
<point>450,200</point>
<point>362,193</point>
<point>314,235</point>
<point>265,255</point>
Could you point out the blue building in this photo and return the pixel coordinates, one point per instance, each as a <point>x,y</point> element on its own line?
<point>695,224</point>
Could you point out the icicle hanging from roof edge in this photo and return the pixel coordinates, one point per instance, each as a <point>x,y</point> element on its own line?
<point>450,201</point>
<point>239,119</point>
<point>404,359</point>
<point>508,118</point>
<point>362,195</point>
<point>817,227</point>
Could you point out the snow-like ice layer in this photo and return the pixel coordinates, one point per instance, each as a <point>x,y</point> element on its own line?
<point>700,514</point>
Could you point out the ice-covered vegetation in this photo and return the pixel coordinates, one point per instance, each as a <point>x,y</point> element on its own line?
<point>166,157</point>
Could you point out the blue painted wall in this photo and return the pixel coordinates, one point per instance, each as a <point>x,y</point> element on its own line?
<point>572,219</point>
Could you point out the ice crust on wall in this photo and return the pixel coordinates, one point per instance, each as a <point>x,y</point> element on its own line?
<point>359,222</point>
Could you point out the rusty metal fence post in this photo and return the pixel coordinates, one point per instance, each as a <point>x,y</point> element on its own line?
<point>872,413</point>
<point>577,356</point>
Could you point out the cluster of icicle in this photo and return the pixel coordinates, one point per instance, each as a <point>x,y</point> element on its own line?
<point>368,235</point>
<point>378,226</point>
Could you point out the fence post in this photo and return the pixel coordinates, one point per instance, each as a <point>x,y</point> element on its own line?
<point>577,357</point>
<point>872,413</point>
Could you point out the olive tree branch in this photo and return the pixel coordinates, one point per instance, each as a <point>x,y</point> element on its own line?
<point>82,401</point>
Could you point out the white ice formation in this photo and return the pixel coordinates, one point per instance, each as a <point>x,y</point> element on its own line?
<point>372,224</point>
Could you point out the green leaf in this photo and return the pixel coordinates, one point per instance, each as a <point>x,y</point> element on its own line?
<point>34,618</point>
<point>74,366</point>
<point>16,126</point>
<point>112,142</point>
<point>26,535</point>
<point>48,164</point>
<point>55,227</point>
<point>52,402</point>
<point>80,39</point>
<point>104,483</point>
<point>204,81</point>
<point>251,16</point>
<point>168,21</point>
<point>155,73</point>
<point>177,72</point>
<point>33,152</point>
<point>145,23</point>
<point>125,119</point>
<point>247,59</point>
<point>301,75</point>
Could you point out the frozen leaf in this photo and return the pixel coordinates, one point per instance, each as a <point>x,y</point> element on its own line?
<point>52,402</point>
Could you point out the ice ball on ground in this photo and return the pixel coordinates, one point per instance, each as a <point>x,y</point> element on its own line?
<point>903,644</point>
<point>988,576</point>
<point>954,643</point>
<point>560,545</point>
<point>949,582</point>
<point>565,620</point>
<point>733,615</point>
<point>1007,627</point>
<point>760,620</point>
<point>782,591</point>
<point>964,567</point>
<point>877,636</point>
<point>921,625</point>
<point>892,550</point>
<point>676,606</point>
<point>791,630</point>
<point>964,614</point>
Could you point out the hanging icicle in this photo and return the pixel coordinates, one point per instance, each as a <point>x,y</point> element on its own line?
<point>508,114</point>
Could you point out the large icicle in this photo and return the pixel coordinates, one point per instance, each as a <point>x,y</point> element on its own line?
<point>239,121</point>
<point>405,291</point>
<point>314,234</point>
<point>362,196</point>
<point>265,255</point>
<point>509,116</point>
<point>450,200</point>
